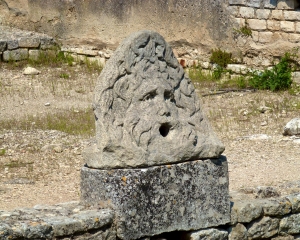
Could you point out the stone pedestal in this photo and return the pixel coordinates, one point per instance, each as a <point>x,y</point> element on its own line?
<point>150,201</point>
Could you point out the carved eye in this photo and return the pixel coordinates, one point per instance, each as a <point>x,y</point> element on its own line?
<point>149,96</point>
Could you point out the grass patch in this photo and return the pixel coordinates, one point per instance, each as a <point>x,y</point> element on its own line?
<point>76,123</point>
<point>64,75</point>
<point>2,152</point>
<point>17,164</point>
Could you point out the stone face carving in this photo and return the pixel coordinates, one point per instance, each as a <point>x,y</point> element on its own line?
<point>147,111</point>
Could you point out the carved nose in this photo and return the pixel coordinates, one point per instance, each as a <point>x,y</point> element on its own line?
<point>164,110</point>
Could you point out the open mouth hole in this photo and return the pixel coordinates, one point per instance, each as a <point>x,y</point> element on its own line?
<point>164,129</point>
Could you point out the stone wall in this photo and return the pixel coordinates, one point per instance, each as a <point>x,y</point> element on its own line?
<point>272,218</point>
<point>18,45</point>
<point>105,23</point>
<point>192,28</point>
<point>275,28</point>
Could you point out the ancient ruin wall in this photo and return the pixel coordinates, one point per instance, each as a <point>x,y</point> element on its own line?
<point>198,22</point>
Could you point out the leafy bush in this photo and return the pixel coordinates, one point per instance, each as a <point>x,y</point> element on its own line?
<point>278,78</point>
<point>221,58</point>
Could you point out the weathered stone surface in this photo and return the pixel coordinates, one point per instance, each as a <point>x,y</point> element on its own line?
<point>263,228</point>
<point>287,4</point>
<point>147,111</point>
<point>237,232</point>
<point>295,201</point>
<point>237,2</point>
<point>292,15</point>
<point>149,201</point>
<point>273,25</point>
<point>257,24</point>
<point>12,44</point>
<point>287,26</point>
<point>290,224</point>
<point>31,71</point>
<point>265,191</point>
<point>15,55</point>
<point>245,211</point>
<point>276,207</point>
<point>34,54</point>
<point>29,42</point>
<point>47,43</point>
<point>61,220</point>
<point>262,13</point>
<point>247,12</point>
<point>277,14</point>
<point>292,127</point>
<point>209,234</point>
<point>2,45</point>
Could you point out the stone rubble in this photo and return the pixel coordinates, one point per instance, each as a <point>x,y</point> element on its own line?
<point>292,127</point>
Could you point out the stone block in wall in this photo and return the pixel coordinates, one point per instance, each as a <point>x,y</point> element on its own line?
<point>34,54</point>
<point>291,15</point>
<point>287,26</point>
<point>266,37</point>
<point>256,24</point>
<point>211,234</point>
<point>240,22</point>
<point>265,227</point>
<point>47,43</point>
<point>245,212</point>
<point>295,199</point>
<point>287,4</point>
<point>270,4</point>
<point>237,2</point>
<point>277,14</point>
<point>273,25</point>
<point>29,42</point>
<point>2,45</point>
<point>12,44</point>
<point>15,55</point>
<point>290,224</point>
<point>234,10</point>
<point>263,13</point>
<point>276,207</point>
<point>293,37</point>
<point>237,232</point>
<point>254,3</point>
<point>297,27</point>
<point>80,51</point>
<point>247,12</point>
<point>149,201</point>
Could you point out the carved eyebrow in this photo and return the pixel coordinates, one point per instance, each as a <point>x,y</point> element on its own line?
<point>148,90</point>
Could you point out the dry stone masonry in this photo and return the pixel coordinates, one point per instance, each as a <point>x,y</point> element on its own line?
<point>155,161</point>
<point>16,45</point>
<point>272,218</point>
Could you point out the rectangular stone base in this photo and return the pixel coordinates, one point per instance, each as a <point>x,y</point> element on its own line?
<point>150,201</point>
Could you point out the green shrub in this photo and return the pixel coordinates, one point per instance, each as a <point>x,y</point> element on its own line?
<point>278,78</point>
<point>244,31</point>
<point>221,58</point>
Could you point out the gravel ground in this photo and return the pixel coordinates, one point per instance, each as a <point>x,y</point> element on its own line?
<point>43,167</point>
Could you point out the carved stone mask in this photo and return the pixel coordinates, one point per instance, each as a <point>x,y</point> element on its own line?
<point>147,111</point>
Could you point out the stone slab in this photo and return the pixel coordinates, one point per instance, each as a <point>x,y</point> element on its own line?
<point>150,201</point>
